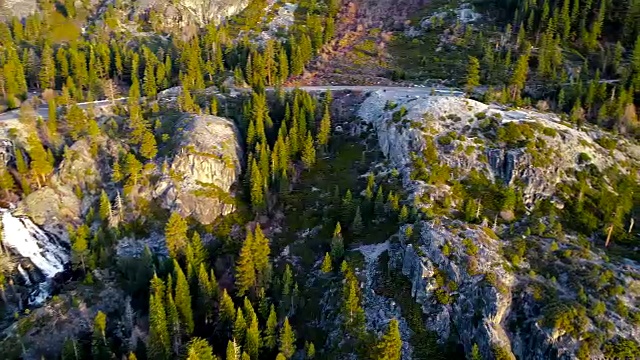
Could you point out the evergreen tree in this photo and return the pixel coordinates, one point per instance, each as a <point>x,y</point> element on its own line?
<point>390,346</point>
<point>148,147</point>
<point>183,299</point>
<point>227,309</point>
<point>270,331</point>
<point>337,244</point>
<point>356,225</point>
<point>7,184</point>
<point>252,339</point>
<point>257,188</point>
<point>310,350</point>
<point>245,267</point>
<point>233,350</point>
<point>176,235</point>
<point>21,163</point>
<point>326,264</point>
<point>173,322</point>
<point>47,74</point>
<point>287,340</point>
<point>260,252</point>
<point>40,165</point>
<point>308,151</point>
<point>116,175</point>
<point>80,246</point>
<point>207,293</point>
<point>352,311</point>
<point>519,76</point>
<point>99,348</point>
<point>475,353</point>
<point>473,74</point>
<point>404,214</point>
<point>239,326</point>
<point>199,349</point>
<point>158,345</point>
<point>133,168</point>
<point>325,128</point>
<point>105,207</point>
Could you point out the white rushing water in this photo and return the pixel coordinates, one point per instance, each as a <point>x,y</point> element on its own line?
<point>45,251</point>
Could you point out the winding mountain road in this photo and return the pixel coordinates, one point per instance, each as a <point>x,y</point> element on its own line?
<point>43,111</point>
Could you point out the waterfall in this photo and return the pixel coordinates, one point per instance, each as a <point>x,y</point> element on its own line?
<point>46,252</point>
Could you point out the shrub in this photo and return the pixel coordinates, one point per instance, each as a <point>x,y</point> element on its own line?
<point>471,249</point>
<point>442,296</point>
<point>445,140</point>
<point>607,142</point>
<point>584,158</point>
<point>550,132</point>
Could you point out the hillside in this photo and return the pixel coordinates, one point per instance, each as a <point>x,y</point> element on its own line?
<point>449,180</point>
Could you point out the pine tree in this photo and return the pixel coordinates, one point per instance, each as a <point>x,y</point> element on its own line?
<point>158,345</point>
<point>206,294</point>
<point>519,76</point>
<point>239,326</point>
<point>105,207</point>
<point>133,168</point>
<point>257,192</point>
<point>233,350</point>
<point>270,336</point>
<point>352,311</point>
<point>308,151</point>
<point>148,147</point>
<point>379,203</point>
<point>7,184</point>
<point>287,340</point>
<point>227,309</point>
<point>356,225</point>
<point>252,339</point>
<point>183,299</point>
<point>173,321</point>
<point>21,163</point>
<point>245,267</point>
<point>326,264</point>
<point>116,175</point>
<point>47,73</point>
<point>473,74</point>
<point>260,253</point>
<point>40,166</point>
<point>197,254</point>
<point>325,128</point>
<point>100,326</point>
<point>310,350</point>
<point>199,349</point>
<point>287,280</point>
<point>390,346</point>
<point>80,246</point>
<point>337,244</point>
<point>475,353</point>
<point>176,235</point>
<point>404,214</point>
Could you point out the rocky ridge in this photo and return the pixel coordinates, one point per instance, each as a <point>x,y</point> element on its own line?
<point>459,272</point>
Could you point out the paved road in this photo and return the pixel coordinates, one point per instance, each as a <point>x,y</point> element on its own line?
<point>43,111</point>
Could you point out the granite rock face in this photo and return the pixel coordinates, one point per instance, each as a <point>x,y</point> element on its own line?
<point>198,181</point>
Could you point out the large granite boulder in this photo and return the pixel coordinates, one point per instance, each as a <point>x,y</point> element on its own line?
<point>206,164</point>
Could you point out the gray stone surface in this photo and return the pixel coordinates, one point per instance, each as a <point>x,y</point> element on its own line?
<point>205,166</point>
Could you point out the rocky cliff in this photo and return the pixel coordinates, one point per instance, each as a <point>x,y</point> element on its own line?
<point>469,135</point>
<point>198,180</point>
<point>523,288</point>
